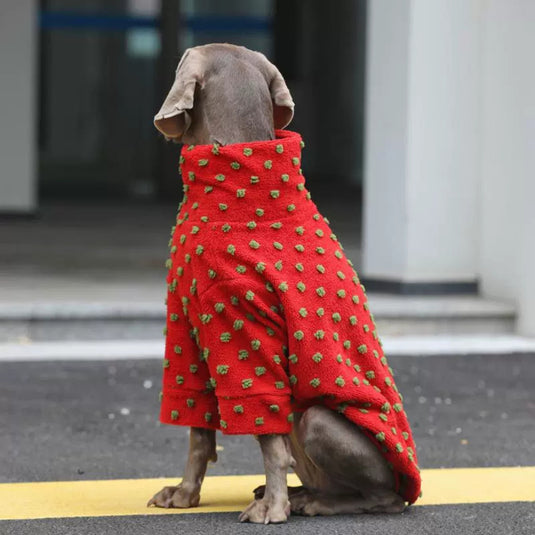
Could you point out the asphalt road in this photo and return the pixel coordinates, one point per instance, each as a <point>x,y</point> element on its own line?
<point>98,420</point>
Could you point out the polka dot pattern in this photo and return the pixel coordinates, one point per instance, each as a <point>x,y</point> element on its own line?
<point>266,316</point>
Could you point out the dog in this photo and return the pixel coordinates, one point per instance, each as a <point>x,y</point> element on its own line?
<point>268,327</point>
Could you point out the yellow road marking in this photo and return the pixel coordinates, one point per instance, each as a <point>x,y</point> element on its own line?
<point>57,499</point>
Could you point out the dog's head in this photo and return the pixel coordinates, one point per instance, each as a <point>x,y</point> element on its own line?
<point>224,93</point>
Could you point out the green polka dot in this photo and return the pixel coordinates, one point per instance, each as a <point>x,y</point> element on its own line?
<point>383,417</point>
<point>319,233</point>
<point>240,193</point>
<point>223,424</point>
<point>199,250</point>
<point>274,193</point>
<point>249,295</point>
<point>353,320</point>
<point>320,312</point>
<point>177,350</point>
<point>370,374</point>
<point>299,335</point>
<point>193,368</point>
<point>341,293</point>
<point>259,371</point>
<point>220,178</point>
<point>255,344</point>
<point>405,435</point>
<point>208,189</point>
<point>268,164</point>
<point>299,267</point>
<point>293,358</point>
<point>278,265</point>
<point>219,307</point>
<point>225,337</point>
<point>320,291</point>
<point>246,383</point>
<point>279,385</point>
<point>336,317</point>
<point>259,421</point>
<point>301,286</point>
<point>174,415</point>
<point>317,357</point>
<point>283,286</point>
<point>251,225</point>
<point>254,180</point>
<point>300,248</point>
<point>293,379</point>
<point>179,380</point>
<point>319,335</point>
<point>223,207</point>
<point>380,436</point>
<point>356,381</point>
<point>320,250</point>
<point>277,359</point>
<point>243,354</point>
<point>315,382</point>
<point>191,175</point>
<point>215,149</point>
<point>238,325</point>
<point>300,186</point>
<point>247,151</point>
<point>397,407</point>
<point>295,161</point>
<point>363,348</point>
<point>399,447</point>
<point>303,312</point>
<point>300,230</point>
<point>279,148</point>
<point>259,212</point>
<point>238,409</point>
<point>277,225</point>
<point>278,245</point>
<point>290,207</point>
<point>231,249</point>
<point>222,369</point>
<point>285,178</point>
<point>235,165</point>
<point>260,267</point>
<point>203,162</point>
<point>180,271</point>
<point>338,255</point>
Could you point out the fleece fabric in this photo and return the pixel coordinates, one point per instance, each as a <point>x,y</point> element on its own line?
<point>266,315</point>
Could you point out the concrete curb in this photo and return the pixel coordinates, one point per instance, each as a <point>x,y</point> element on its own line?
<point>154,349</point>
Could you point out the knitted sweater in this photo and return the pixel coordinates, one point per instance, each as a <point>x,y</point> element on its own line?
<point>266,315</point>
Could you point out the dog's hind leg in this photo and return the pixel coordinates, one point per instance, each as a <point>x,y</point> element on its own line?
<point>188,492</point>
<point>341,469</point>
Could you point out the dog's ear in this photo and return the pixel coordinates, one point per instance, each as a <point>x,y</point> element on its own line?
<point>174,117</point>
<point>283,105</point>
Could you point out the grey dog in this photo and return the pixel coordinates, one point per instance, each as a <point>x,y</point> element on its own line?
<point>228,94</point>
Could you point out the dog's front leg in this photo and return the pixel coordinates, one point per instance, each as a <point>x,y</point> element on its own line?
<point>188,492</point>
<point>274,506</point>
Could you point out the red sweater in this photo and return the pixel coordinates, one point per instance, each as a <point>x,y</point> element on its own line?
<point>266,315</point>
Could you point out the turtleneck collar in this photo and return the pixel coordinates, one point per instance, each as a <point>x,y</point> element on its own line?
<point>260,180</point>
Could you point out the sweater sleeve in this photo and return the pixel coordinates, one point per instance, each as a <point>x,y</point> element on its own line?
<point>244,345</point>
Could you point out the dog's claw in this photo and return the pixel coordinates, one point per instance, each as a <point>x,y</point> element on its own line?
<point>178,496</point>
<point>262,511</point>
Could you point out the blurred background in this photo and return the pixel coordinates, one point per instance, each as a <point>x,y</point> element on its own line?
<point>419,119</point>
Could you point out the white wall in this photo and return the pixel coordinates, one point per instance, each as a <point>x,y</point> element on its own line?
<point>420,218</point>
<point>507,254</point>
<point>18,32</point>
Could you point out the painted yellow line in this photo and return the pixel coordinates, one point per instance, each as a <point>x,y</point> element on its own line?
<point>57,499</point>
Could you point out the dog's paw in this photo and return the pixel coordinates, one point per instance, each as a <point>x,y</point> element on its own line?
<point>263,511</point>
<point>179,496</point>
<point>305,503</point>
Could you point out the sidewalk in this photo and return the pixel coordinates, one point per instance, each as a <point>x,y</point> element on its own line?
<point>96,272</point>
